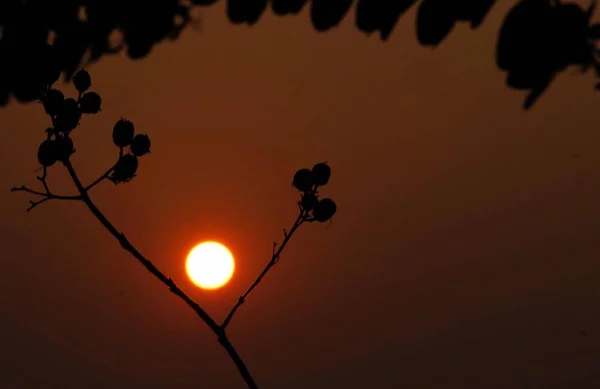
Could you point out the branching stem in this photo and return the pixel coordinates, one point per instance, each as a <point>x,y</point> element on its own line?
<point>218,330</point>
<point>274,258</point>
<point>167,281</point>
<point>99,179</point>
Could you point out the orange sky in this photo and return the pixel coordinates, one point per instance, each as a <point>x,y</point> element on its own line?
<point>464,253</point>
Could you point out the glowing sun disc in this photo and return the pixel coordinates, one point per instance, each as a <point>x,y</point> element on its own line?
<point>210,265</point>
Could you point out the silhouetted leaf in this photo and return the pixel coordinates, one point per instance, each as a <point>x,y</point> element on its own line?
<point>380,15</point>
<point>203,2</point>
<point>285,7</point>
<point>535,94</point>
<point>522,30</point>
<point>594,31</point>
<point>245,11</point>
<point>472,11</point>
<point>28,65</point>
<point>326,14</point>
<point>435,20</point>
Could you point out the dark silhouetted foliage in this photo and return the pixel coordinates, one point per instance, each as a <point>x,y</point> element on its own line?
<point>538,38</point>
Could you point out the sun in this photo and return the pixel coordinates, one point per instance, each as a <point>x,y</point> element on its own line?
<point>210,265</point>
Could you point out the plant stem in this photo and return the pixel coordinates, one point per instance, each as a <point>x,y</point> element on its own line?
<point>273,261</point>
<point>50,196</point>
<point>210,322</point>
<point>99,179</point>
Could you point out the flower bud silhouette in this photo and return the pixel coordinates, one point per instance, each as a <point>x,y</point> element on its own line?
<point>63,148</point>
<point>82,81</point>
<point>47,153</point>
<point>321,173</point>
<point>140,145</point>
<point>324,210</point>
<point>303,180</point>
<point>125,169</point>
<point>68,116</point>
<point>52,101</point>
<point>123,132</point>
<point>90,103</point>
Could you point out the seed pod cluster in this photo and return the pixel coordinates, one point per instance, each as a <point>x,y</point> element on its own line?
<point>308,181</point>
<point>125,169</point>
<point>138,145</point>
<point>123,135</point>
<point>57,148</point>
<point>66,112</point>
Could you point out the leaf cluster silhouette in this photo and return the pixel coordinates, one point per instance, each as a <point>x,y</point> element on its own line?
<point>538,38</point>
<point>541,38</point>
<point>65,115</point>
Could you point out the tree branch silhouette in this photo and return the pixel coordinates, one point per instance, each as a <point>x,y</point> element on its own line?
<point>274,258</point>
<point>100,179</point>
<point>167,281</point>
<point>85,31</point>
<point>66,113</point>
<point>46,195</point>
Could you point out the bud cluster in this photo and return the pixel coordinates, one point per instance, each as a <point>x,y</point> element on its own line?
<point>308,182</point>
<point>66,113</point>
<point>138,145</point>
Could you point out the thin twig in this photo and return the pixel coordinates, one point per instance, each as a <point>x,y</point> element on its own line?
<point>45,196</point>
<point>100,179</point>
<point>210,322</point>
<point>42,179</point>
<point>51,196</point>
<point>274,258</point>
<point>33,204</point>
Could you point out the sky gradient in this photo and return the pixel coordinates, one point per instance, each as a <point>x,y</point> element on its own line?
<point>464,252</point>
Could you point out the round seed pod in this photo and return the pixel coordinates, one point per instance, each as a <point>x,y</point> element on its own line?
<point>324,210</point>
<point>303,180</point>
<point>140,145</point>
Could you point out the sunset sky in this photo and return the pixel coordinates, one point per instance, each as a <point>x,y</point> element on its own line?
<point>464,253</point>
